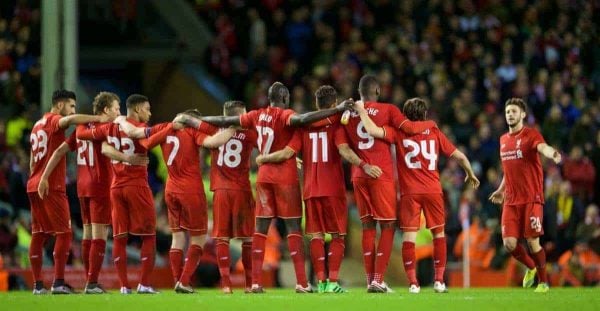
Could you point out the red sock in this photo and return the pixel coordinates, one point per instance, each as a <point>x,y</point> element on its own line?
<point>258,257</point>
<point>335,256</point>
<point>86,245</point>
<point>192,258</point>
<point>540,263</point>
<point>384,251</point>
<point>224,262</point>
<point>120,258</point>
<point>176,259</point>
<point>368,247</point>
<point>296,247</point>
<point>409,259</point>
<point>147,253</point>
<point>317,256</point>
<point>521,255</point>
<point>439,258</point>
<point>61,254</point>
<point>96,258</point>
<point>36,254</point>
<point>247,262</point>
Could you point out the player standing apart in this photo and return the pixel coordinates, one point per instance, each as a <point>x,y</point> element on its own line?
<point>522,192</point>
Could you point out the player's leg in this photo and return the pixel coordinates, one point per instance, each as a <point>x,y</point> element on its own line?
<point>243,228</point>
<point>38,240</point>
<point>57,209</point>
<point>86,239</point>
<point>120,222</point>
<point>100,219</point>
<point>314,230</point>
<point>383,197</point>
<point>192,258</point>
<point>334,261</point>
<point>194,219</point>
<point>435,217</point>
<point>409,219</point>
<point>336,220</point>
<point>532,232</point>
<point>369,230</point>
<point>223,203</point>
<point>511,232</point>
<point>177,237</point>
<point>258,252</point>
<point>224,263</point>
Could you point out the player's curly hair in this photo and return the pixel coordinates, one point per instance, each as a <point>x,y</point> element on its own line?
<point>279,94</point>
<point>517,102</point>
<point>103,100</point>
<point>326,96</point>
<point>233,107</point>
<point>415,109</point>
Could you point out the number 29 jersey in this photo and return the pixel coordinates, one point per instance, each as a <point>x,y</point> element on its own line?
<point>417,158</point>
<point>46,136</point>
<point>230,163</point>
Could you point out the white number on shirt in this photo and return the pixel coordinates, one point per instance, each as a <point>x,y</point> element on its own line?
<point>363,134</point>
<point>314,138</point>
<point>428,153</point>
<point>39,144</point>
<point>125,142</point>
<point>536,224</point>
<point>230,153</point>
<point>83,146</point>
<point>270,135</point>
<point>175,141</point>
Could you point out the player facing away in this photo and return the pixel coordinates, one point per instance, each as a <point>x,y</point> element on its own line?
<point>94,176</point>
<point>277,184</point>
<point>376,198</point>
<point>324,193</point>
<point>421,191</point>
<point>184,191</point>
<point>131,199</point>
<point>233,204</point>
<point>521,192</point>
<point>50,216</point>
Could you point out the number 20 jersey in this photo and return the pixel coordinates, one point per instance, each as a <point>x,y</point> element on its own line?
<point>418,157</point>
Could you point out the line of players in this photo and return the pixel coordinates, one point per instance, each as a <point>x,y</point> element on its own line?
<point>365,142</point>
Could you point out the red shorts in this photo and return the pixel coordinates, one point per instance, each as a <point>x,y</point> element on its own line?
<point>375,198</point>
<point>275,200</point>
<point>133,211</point>
<point>187,211</point>
<point>326,215</point>
<point>233,214</point>
<point>50,215</point>
<point>522,220</point>
<point>95,210</point>
<point>431,204</point>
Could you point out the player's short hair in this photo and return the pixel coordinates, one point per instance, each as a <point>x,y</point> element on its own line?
<point>326,96</point>
<point>278,92</point>
<point>103,100</point>
<point>231,108</point>
<point>517,102</point>
<point>135,99</point>
<point>62,95</point>
<point>367,85</point>
<point>194,113</point>
<point>415,109</point>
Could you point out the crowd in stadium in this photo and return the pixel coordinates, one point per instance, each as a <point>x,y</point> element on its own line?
<point>465,58</point>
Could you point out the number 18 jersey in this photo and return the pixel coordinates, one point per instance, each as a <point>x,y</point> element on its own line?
<point>230,163</point>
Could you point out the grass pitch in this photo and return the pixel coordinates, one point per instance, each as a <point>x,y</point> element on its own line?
<point>573,299</point>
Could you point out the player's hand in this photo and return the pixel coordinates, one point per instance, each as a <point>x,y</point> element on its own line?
<point>372,170</point>
<point>473,181</point>
<point>260,160</point>
<point>497,197</point>
<point>359,106</point>
<point>105,118</point>
<point>138,159</point>
<point>43,188</point>
<point>181,118</point>
<point>299,163</point>
<point>178,126</point>
<point>345,105</point>
<point>119,119</point>
<point>556,157</point>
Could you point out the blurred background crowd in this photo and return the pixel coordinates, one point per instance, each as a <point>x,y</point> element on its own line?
<point>465,57</point>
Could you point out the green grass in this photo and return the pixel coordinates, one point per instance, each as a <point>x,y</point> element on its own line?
<point>512,299</point>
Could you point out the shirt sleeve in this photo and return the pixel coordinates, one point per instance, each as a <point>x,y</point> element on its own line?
<point>396,117</point>
<point>536,139</point>
<point>54,122</point>
<point>199,137</point>
<point>287,114</point>
<point>100,132</point>
<point>339,136</point>
<point>248,120</point>
<point>157,137</point>
<point>446,146</point>
<point>208,128</point>
<point>72,140</point>
<point>295,142</point>
<point>157,128</point>
<point>252,137</point>
<point>389,134</point>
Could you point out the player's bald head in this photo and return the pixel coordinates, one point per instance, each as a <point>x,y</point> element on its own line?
<point>279,95</point>
<point>368,87</point>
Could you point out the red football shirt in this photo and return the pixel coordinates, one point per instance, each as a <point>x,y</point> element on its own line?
<point>124,173</point>
<point>417,157</point>
<point>523,175</point>
<point>230,163</point>
<point>46,136</point>
<point>373,151</point>
<point>274,132</point>
<point>94,173</point>
<point>323,172</point>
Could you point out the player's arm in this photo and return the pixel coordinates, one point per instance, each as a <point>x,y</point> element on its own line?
<point>370,126</point>
<point>218,139</point>
<point>463,161</point>
<point>549,152</point>
<point>275,157</point>
<point>114,154</point>
<point>58,154</point>
<point>497,197</point>
<point>349,155</point>
<point>65,122</point>
<point>310,117</point>
<point>129,129</point>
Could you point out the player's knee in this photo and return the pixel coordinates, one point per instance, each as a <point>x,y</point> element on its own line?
<point>387,224</point>
<point>368,223</point>
<point>293,225</point>
<point>316,236</point>
<point>438,232</point>
<point>534,244</point>
<point>409,236</point>
<point>510,244</point>
<point>262,225</point>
